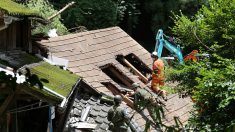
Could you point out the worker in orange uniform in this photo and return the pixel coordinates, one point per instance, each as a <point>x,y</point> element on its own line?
<point>157,75</point>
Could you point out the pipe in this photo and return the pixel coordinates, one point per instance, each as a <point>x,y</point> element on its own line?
<point>57,94</point>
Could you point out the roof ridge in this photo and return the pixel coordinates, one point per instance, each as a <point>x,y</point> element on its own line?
<point>54,39</point>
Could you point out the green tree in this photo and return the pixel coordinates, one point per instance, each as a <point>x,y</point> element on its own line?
<point>160,11</point>
<point>93,14</point>
<point>46,9</point>
<point>212,28</point>
<point>128,14</point>
<point>211,85</point>
<point>96,14</point>
<point>210,82</point>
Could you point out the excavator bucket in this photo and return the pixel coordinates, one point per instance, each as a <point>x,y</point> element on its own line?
<point>192,56</point>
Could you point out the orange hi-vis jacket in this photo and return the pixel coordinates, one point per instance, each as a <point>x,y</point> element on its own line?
<point>157,74</point>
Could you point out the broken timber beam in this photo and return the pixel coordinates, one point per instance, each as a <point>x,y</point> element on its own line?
<point>116,91</point>
<point>135,70</point>
<point>64,8</point>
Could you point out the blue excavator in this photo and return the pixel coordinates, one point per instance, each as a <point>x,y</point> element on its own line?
<point>162,42</point>
<point>175,49</point>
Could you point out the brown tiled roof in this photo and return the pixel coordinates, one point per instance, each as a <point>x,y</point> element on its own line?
<point>87,51</point>
<point>177,107</point>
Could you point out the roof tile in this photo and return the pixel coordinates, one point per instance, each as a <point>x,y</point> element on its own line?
<point>103,114</point>
<point>99,119</point>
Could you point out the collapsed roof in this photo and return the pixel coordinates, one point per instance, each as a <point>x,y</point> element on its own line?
<point>86,52</point>
<point>93,55</point>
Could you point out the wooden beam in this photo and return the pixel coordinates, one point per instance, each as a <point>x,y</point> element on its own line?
<point>135,70</point>
<point>64,8</point>
<point>116,91</point>
<point>8,101</point>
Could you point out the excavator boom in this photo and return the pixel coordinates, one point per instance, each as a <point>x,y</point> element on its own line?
<point>161,42</point>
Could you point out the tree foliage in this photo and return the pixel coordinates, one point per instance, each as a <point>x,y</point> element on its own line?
<point>46,9</point>
<point>96,14</point>
<point>13,8</point>
<point>93,14</point>
<point>211,85</point>
<point>161,11</point>
<point>212,28</point>
<point>210,82</point>
<point>127,9</point>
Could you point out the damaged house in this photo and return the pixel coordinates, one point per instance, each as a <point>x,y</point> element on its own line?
<point>109,61</point>
<point>50,94</point>
<point>34,94</point>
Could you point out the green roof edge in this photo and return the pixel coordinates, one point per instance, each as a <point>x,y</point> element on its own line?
<point>62,73</point>
<point>13,8</point>
<point>42,94</point>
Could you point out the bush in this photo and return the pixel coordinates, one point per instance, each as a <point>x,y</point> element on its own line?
<point>212,28</point>
<point>211,84</point>
<point>46,9</point>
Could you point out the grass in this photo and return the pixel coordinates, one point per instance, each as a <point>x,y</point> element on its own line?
<point>54,78</point>
<point>44,92</point>
<point>15,9</point>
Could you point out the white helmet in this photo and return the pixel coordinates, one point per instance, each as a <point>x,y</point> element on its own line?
<point>154,54</point>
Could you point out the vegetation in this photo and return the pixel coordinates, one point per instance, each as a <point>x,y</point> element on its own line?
<point>54,78</point>
<point>14,8</point>
<point>125,13</point>
<point>4,62</point>
<point>210,82</point>
<point>45,9</point>
<point>160,11</point>
<point>211,29</point>
<point>47,95</point>
<point>93,14</point>
<point>9,81</point>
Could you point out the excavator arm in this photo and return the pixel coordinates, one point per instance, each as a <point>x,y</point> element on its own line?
<point>161,42</point>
